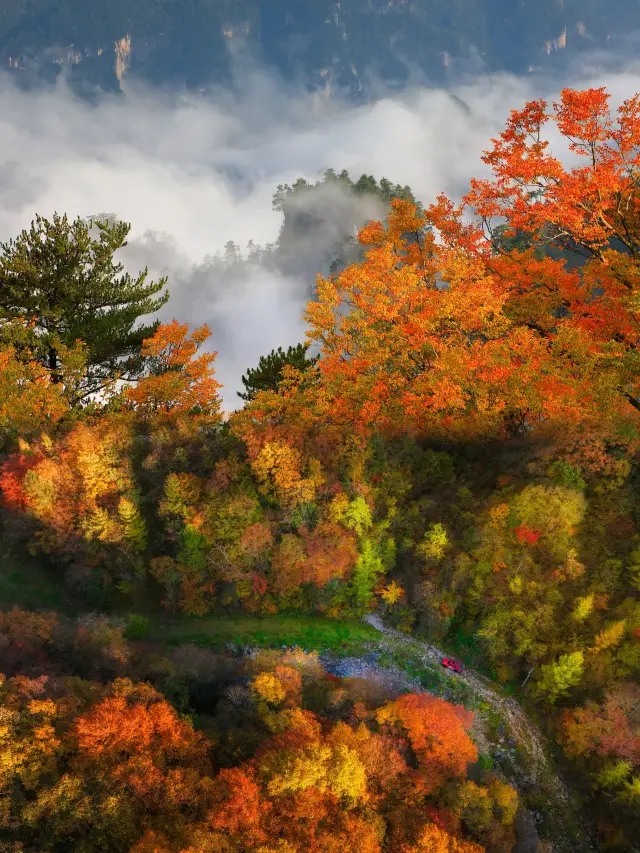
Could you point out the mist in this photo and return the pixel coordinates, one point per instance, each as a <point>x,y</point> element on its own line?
<point>191,173</point>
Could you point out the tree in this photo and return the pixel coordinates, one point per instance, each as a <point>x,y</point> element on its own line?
<point>177,385</point>
<point>591,210</point>
<point>437,334</point>
<point>437,732</point>
<point>434,839</point>
<point>608,729</point>
<point>557,679</point>
<point>59,279</point>
<point>268,374</point>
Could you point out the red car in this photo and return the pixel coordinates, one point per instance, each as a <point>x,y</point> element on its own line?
<point>452,664</point>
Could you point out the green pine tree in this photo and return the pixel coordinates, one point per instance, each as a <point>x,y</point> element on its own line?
<point>61,277</point>
<point>268,374</point>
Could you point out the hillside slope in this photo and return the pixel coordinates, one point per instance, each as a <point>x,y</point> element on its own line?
<point>323,43</point>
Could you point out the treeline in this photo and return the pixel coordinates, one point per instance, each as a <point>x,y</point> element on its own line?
<point>463,454</point>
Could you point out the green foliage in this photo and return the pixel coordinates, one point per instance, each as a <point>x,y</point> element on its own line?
<point>365,185</point>
<point>268,374</point>
<point>357,516</point>
<point>137,627</point>
<point>368,569</point>
<point>634,568</point>
<point>554,512</point>
<point>434,544</point>
<point>304,515</point>
<point>62,275</point>
<point>614,774</point>
<point>564,474</point>
<point>485,761</point>
<point>192,551</point>
<point>308,632</point>
<point>29,583</point>
<point>557,679</point>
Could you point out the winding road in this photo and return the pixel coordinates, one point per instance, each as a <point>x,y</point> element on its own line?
<point>571,830</point>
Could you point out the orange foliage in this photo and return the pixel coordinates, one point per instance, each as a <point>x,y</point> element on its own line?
<point>115,729</point>
<point>179,384</point>
<point>28,396</point>
<point>257,539</point>
<point>79,493</point>
<point>451,337</point>
<point>433,839</point>
<point>331,553</point>
<point>317,556</point>
<point>437,732</point>
<point>605,729</point>
<point>240,808</point>
<point>151,842</point>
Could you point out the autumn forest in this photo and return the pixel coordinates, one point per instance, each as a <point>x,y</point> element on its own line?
<point>453,451</point>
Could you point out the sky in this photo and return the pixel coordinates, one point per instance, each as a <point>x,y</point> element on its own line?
<point>192,172</point>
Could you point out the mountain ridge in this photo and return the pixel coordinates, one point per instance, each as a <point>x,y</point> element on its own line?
<point>346,44</point>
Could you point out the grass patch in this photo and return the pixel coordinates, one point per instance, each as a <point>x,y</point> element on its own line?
<point>429,677</point>
<point>26,583</point>
<point>307,632</point>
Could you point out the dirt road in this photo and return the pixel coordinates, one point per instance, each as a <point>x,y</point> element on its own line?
<point>535,772</point>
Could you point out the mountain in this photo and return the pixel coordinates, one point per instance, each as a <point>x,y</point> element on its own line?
<point>325,44</point>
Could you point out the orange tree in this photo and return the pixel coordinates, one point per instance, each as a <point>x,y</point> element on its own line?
<point>439,333</point>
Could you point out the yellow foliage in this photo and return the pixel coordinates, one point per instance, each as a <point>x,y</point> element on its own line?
<point>572,567</point>
<point>298,770</point>
<point>278,467</point>
<point>99,525</point>
<point>133,523</point>
<point>269,688</point>
<point>346,774</point>
<point>498,515</point>
<point>344,735</point>
<point>609,637</point>
<point>337,508</point>
<point>391,593</point>
<point>551,510</point>
<point>47,707</point>
<point>583,608</point>
<point>505,799</point>
<point>516,584</point>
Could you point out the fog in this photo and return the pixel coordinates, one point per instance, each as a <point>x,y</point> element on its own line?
<point>191,173</point>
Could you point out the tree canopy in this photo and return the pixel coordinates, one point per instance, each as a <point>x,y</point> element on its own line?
<point>462,457</point>
<point>268,374</point>
<point>59,284</point>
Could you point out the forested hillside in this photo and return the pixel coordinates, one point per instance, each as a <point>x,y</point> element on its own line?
<point>461,456</point>
<point>322,44</point>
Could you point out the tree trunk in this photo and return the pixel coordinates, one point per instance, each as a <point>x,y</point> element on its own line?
<point>53,365</point>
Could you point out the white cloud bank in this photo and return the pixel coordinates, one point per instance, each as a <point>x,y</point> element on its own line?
<point>191,173</point>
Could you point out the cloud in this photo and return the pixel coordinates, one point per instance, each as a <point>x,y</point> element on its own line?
<point>192,173</point>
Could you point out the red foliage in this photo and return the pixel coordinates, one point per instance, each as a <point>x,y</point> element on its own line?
<point>525,534</point>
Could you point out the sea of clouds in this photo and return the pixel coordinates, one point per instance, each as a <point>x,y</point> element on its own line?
<point>191,173</point>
